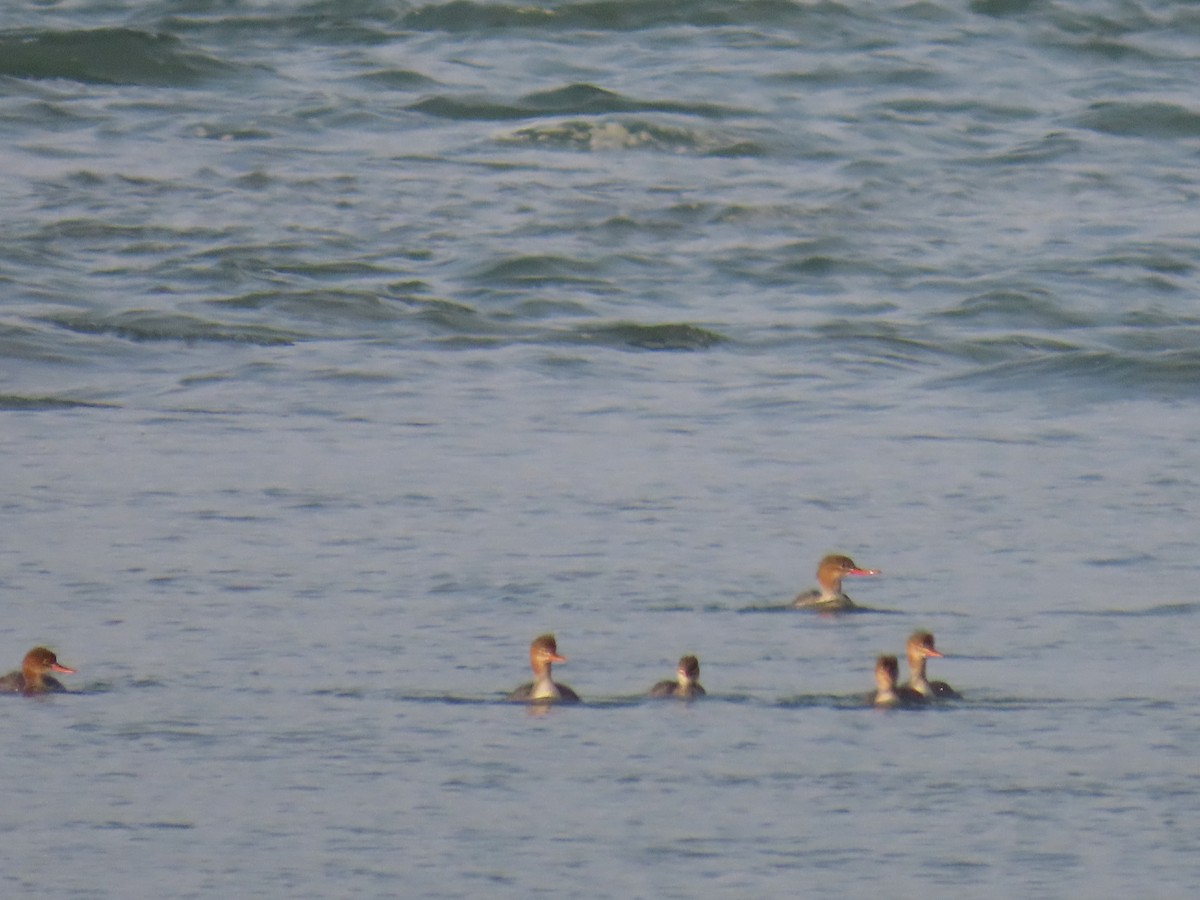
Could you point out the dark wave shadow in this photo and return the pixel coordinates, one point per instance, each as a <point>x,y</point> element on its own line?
<point>822,613</point>
<point>106,56</point>
<point>11,402</point>
<point>573,99</point>
<point>631,335</point>
<point>142,325</point>
<point>1161,610</point>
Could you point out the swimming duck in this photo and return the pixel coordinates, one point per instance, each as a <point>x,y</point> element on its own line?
<point>918,649</point>
<point>542,653</point>
<point>33,677</point>
<point>687,683</point>
<point>828,596</point>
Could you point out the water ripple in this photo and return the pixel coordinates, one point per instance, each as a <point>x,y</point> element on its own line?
<point>154,326</point>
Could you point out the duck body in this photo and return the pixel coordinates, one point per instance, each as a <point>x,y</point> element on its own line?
<point>34,675</point>
<point>687,684</point>
<point>543,652</point>
<point>919,648</point>
<point>828,596</point>
<point>544,690</point>
<point>943,691</point>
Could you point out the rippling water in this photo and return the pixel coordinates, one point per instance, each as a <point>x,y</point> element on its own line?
<point>346,346</point>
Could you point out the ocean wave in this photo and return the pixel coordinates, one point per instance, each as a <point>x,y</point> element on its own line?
<point>336,305</point>
<point>20,402</point>
<point>1052,146</point>
<point>611,15</point>
<point>106,56</point>
<point>632,335</point>
<point>398,79</point>
<point>607,136</point>
<point>1086,375</point>
<point>1152,119</point>
<point>472,331</point>
<point>528,271</point>
<point>138,325</point>
<point>574,99</point>
<point>1012,308</point>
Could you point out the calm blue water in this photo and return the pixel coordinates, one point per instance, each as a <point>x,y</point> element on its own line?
<point>347,346</point>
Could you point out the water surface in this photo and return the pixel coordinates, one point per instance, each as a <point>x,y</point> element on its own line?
<point>345,347</point>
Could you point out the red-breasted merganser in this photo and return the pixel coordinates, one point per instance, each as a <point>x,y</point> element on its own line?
<point>920,648</point>
<point>688,683</point>
<point>886,693</point>
<point>829,597</point>
<point>34,677</point>
<point>542,652</point>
